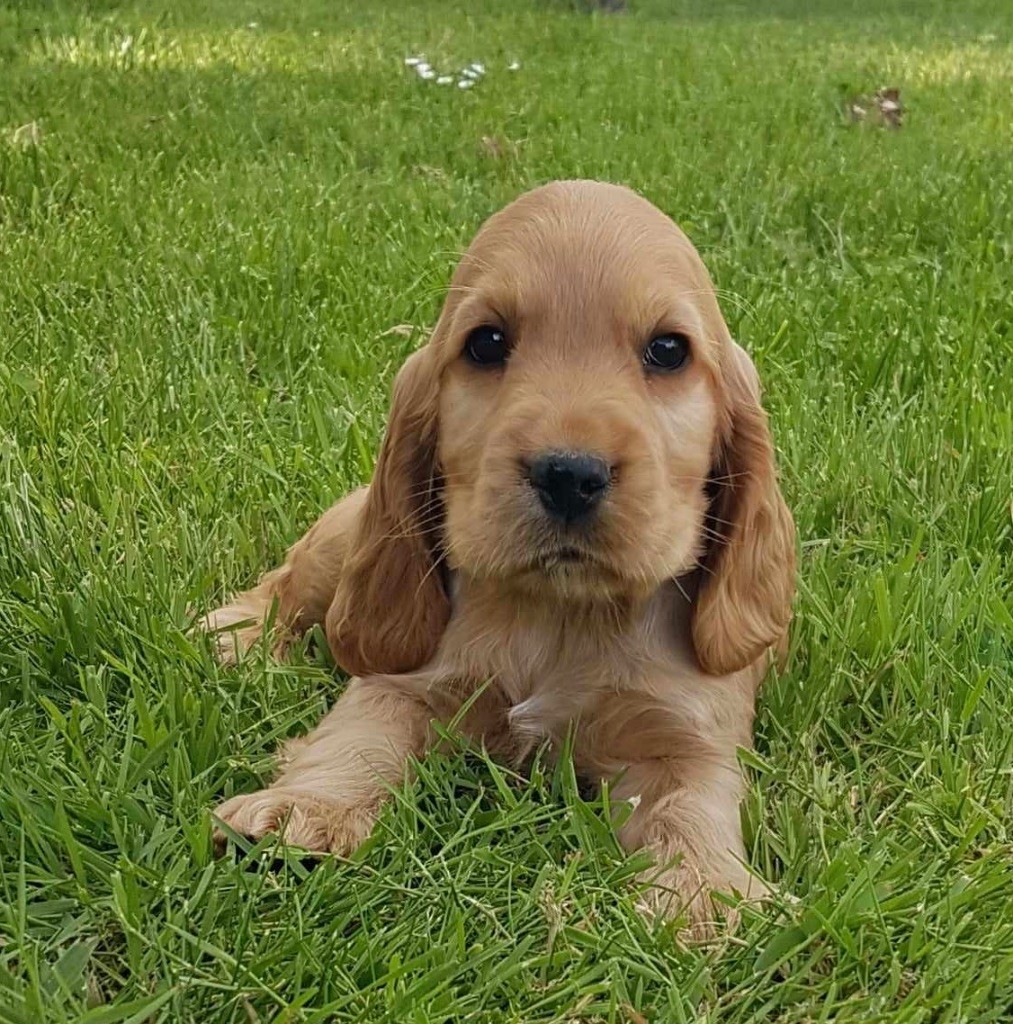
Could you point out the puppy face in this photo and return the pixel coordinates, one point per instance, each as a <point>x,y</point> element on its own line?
<point>580,427</point>
<point>578,403</point>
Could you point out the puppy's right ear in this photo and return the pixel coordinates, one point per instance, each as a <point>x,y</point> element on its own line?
<point>391,605</point>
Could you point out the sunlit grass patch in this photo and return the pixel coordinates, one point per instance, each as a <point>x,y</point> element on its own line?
<point>222,228</point>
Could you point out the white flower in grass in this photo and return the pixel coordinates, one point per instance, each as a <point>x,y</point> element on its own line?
<point>466,78</point>
<point>514,66</point>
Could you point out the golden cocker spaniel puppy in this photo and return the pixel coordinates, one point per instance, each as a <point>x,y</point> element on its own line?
<point>575,514</point>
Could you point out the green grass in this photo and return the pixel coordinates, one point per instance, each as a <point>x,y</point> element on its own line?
<point>198,264</point>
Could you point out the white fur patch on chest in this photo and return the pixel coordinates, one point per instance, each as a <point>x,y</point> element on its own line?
<point>552,676</point>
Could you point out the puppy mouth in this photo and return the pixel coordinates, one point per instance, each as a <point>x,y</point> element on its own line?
<point>565,556</point>
<point>568,553</point>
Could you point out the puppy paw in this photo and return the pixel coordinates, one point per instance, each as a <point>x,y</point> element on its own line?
<point>302,819</point>
<point>235,628</point>
<point>680,892</point>
<point>685,891</point>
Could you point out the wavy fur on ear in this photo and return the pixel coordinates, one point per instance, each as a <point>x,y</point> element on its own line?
<point>743,606</point>
<point>391,606</point>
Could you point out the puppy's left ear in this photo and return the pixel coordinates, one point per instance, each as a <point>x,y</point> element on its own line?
<point>743,603</point>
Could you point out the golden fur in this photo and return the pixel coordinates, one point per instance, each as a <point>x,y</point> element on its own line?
<point>445,575</point>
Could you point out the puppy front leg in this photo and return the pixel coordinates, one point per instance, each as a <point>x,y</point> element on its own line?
<point>333,781</point>
<point>687,816</point>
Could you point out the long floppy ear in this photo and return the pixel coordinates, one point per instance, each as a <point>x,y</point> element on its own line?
<point>743,603</point>
<point>391,606</point>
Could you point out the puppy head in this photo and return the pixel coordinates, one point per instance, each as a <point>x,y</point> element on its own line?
<point>580,428</point>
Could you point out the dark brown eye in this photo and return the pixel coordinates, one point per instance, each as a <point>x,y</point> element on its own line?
<point>487,346</point>
<point>667,352</point>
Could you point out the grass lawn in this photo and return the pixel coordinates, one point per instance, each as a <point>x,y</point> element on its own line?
<point>204,242</point>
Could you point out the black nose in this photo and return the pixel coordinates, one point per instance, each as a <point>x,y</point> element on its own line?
<point>569,484</point>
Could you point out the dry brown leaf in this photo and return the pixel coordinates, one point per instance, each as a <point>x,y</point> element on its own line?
<point>497,146</point>
<point>884,110</point>
<point>492,146</point>
<point>430,172</point>
<point>890,108</point>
